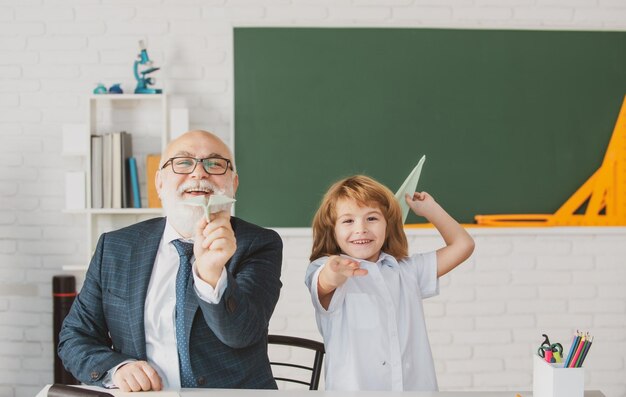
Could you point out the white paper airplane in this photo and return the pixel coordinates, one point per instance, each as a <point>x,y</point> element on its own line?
<point>408,187</point>
<point>214,203</point>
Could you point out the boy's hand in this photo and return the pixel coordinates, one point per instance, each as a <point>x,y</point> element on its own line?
<point>336,271</point>
<point>340,269</point>
<point>421,203</point>
<point>459,244</point>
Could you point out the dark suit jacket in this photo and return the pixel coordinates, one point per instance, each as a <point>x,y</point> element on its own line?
<point>227,341</point>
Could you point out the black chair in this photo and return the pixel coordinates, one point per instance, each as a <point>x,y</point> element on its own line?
<point>316,369</point>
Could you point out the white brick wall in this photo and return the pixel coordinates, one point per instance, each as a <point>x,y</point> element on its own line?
<point>489,317</point>
<point>492,310</point>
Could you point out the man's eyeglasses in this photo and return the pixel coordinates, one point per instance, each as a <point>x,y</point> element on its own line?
<point>186,165</point>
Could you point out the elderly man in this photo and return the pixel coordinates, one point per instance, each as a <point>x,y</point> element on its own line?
<point>178,301</point>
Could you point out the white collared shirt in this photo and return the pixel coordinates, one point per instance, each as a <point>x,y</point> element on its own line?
<point>160,308</point>
<point>374,329</point>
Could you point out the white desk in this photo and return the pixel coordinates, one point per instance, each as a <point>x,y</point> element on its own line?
<point>299,393</point>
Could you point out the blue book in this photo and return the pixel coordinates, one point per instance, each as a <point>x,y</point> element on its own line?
<point>134,183</point>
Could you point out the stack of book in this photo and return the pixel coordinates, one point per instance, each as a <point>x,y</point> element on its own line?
<point>114,181</point>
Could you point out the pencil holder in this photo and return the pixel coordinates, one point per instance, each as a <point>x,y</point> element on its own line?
<point>552,380</point>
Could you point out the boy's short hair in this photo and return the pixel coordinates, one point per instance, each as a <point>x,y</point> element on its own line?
<point>366,192</point>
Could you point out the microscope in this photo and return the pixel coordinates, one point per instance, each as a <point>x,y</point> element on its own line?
<point>143,81</point>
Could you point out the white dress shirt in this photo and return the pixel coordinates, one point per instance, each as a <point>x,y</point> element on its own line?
<point>374,329</point>
<point>160,309</point>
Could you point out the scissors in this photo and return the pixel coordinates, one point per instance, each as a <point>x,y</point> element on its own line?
<point>551,352</point>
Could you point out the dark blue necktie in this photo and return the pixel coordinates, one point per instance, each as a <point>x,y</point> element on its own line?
<point>185,251</point>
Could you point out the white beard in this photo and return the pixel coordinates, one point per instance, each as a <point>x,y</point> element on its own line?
<point>184,217</point>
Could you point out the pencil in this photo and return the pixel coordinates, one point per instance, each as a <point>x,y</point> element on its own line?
<point>584,353</point>
<point>572,349</point>
<point>579,348</point>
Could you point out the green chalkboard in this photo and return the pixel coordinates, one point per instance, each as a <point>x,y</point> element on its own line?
<point>510,121</point>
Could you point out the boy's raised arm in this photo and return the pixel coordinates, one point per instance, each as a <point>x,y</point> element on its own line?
<point>459,244</point>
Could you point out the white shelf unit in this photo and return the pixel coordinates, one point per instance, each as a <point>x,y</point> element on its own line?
<point>146,118</point>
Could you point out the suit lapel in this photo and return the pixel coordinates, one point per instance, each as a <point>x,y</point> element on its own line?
<point>142,257</point>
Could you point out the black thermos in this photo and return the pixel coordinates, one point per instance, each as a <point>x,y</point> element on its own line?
<point>63,294</point>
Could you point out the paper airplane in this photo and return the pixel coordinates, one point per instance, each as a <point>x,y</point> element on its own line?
<point>210,204</point>
<point>408,187</point>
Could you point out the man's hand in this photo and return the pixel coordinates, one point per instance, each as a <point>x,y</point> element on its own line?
<point>137,376</point>
<point>336,272</point>
<point>214,245</point>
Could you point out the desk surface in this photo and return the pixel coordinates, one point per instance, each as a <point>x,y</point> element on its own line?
<point>298,393</point>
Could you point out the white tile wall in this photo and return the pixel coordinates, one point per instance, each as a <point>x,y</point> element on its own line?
<point>489,317</point>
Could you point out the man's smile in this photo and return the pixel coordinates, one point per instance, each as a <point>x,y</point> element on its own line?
<point>198,192</point>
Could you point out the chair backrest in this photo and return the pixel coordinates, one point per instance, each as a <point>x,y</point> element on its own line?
<point>316,368</point>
